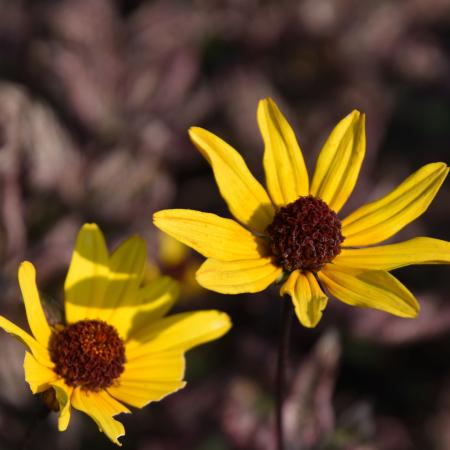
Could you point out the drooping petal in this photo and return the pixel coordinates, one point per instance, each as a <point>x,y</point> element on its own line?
<point>286,174</point>
<point>140,394</point>
<point>152,302</point>
<point>246,198</point>
<point>381,219</point>
<point>63,396</point>
<point>38,351</point>
<point>126,269</point>
<point>87,277</point>
<point>369,289</point>
<point>161,366</point>
<point>235,277</point>
<point>210,235</point>
<point>150,378</point>
<point>307,296</point>
<point>35,314</point>
<point>339,161</point>
<point>37,376</point>
<point>178,332</point>
<point>419,250</point>
<point>101,407</point>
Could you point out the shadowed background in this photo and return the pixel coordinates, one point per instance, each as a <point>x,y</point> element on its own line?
<point>96,97</point>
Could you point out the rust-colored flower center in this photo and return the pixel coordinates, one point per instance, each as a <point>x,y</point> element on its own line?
<point>88,353</point>
<point>305,235</point>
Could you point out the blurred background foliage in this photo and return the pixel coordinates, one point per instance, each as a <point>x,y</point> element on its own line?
<point>96,97</point>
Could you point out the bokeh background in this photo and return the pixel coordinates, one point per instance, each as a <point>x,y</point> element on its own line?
<point>96,97</point>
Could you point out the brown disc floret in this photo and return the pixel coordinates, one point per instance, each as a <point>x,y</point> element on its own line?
<point>305,235</point>
<point>89,354</point>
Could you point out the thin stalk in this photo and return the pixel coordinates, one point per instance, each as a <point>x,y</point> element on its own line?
<point>282,362</point>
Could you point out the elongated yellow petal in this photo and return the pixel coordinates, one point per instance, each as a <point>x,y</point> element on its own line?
<point>152,302</point>
<point>101,407</point>
<point>369,289</point>
<point>178,332</point>
<point>308,299</point>
<point>210,235</point>
<point>37,376</point>
<point>246,198</point>
<point>126,269</point>
<point>286,174</point>
<point>420,250</point>
<point>38,351</point>
<point>63,396</point>
<point>339,161</point>
<point>87,277</point>
<point>381,219</point>
<point>158,297</point>
<point>150,378</point>
<point>163,366</point>
<point>236,277</point>
<point>35,314</point>
<point>141,393</point>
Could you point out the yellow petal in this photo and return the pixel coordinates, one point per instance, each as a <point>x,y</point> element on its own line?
<point>178,332</point>
<point>286,174</point>
<point>171,252</point>
<point>339,161</point>
<point>246,198</point>
<point>126,269</point>
<point>307,296</point>
<point>210,235</point>
<point>235,277</point>
<point>163,366</point>
<point>152,302</point>
<point>87,277</point>
<point>36,375</point>
<point>63,396</point>
<point>140,394</point>
<point>101,407</point>
<point>150,378</point>
<point>35,314</point>
<point>420,250</point>
<point>370,289</point>
<point>38,351</point>
<point>381,219</point>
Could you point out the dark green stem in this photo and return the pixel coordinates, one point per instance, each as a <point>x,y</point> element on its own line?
<point>282,360</point>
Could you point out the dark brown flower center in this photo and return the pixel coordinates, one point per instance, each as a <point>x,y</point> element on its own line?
<point>305,235</point>
<point>88,353</point>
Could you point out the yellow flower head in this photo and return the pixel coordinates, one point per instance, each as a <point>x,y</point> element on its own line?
<point>292,232</point>
<point>115,346</point>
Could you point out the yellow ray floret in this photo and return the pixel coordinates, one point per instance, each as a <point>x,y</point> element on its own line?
<point>105,292</point>
<point>273,244</point>
<point>286,174</point>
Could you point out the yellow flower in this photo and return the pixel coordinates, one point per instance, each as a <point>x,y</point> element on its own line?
<point>292,233</point>
<point>115,346</point>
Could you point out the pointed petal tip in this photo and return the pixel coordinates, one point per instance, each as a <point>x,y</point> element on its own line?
<point>223,320</point>
<point>89,226</point>
<point>26,266</point>
<point>415,310</point>
<point>195,132</point>
<point>266,100</point>
<point>219,320</point>
<point>356,113</point>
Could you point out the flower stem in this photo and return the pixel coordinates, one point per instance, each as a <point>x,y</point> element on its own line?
<point>283,348</point>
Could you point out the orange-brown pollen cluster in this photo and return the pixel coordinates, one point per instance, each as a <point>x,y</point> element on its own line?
<point>305,235</point>
<point>89,354</point>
